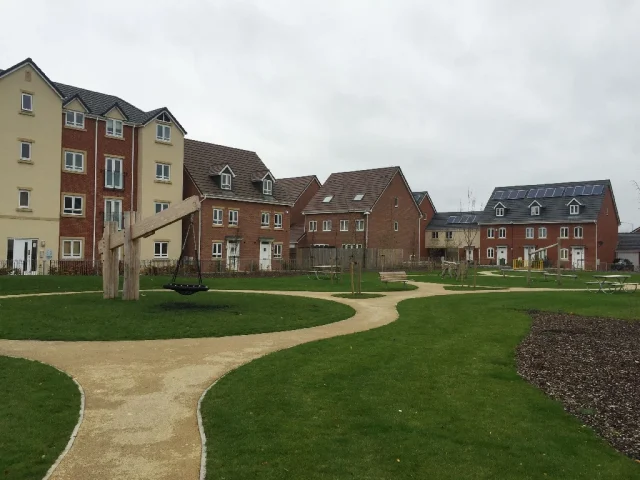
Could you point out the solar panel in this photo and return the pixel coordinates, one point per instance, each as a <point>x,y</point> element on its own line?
<point>513,194</point>
<point>540,193</point>
<point>549,192</point>
<point>568,192</point>
<point>587,190</point>
<point>522,193</point>
<point>578,190</point>
<point>451,219</point>
<point>466,219</point>
<point>597,190</point>
<point>498,195</point>
<point>457,219</point>
<point>473,220</point>
<point>558,192</point>
<point>532,193</point>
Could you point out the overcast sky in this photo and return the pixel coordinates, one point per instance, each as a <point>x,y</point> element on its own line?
<point>461,94</point>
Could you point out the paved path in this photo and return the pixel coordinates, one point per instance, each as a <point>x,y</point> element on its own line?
<point>140,418</point>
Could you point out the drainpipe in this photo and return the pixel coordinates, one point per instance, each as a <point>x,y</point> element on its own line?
<point>133,163</point>
<point>95,190</point>
<point>419,244</point>
<point>200,231</point>
<point>596,222</point>
<point>366,237</point>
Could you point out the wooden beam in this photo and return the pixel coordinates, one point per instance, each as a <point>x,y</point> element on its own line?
<point>110,277</point>
<point>541,250</point>
<point>131,289</point>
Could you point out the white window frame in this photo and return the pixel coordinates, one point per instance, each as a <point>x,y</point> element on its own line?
<point>499,212</point>
<point>542,232</point>
<point>396,226</point>
<point>529,232</point>
<point>576,230</point>
<point>20,192</point>
<point>502,232</point>
<point>277,250</point>
<point>277,220</point>
<point>491,253</point>
<point>71,242</point>
<point>265,220</point>
<point>574,209</point>
<point>120,177</point>
<point>535,210</point>
<point>74,157</point>
<point>216,250</point>
<point>160,206</point>
<point>165,175</point>
<point>163,133</point>
<point>233,218</point>
<point>22,144</point>
<point>491,232</point>
<point>326,225</point>
<point>267,186</point>
<point>22,107</point>
<point>313,225</point>
<point>75,123</point>
<point>564,254</point>
<point>111,202</point>
<point>217,218</point>
<point>435,235</point>
<point>112,128</point>
<point>448,235</point>
<point>225,181</point>
<point>360,225</point>
<point>73,211</point>
<point>562,230</point>
<point>164,254</point>
<point>344,225</point>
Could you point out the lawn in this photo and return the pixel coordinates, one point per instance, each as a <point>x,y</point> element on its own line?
<point>12,285</point>
<point>433,395</point>
<point>161,315</point>
<point>39,408</point>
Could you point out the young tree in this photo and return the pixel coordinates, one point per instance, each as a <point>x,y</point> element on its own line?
<point>470,231</point>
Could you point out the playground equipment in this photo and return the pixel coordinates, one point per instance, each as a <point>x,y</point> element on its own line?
<point>544,249</point>
<point>133,230</point>
<point>450,268</point>
<point>519,264</point>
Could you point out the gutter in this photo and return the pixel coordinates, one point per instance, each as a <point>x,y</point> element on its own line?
<point>218,197</point>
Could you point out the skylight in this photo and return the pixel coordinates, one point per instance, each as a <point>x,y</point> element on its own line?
<point>358,197</point>
<point>327,199</point>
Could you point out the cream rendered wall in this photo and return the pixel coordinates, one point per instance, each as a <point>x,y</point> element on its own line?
<point>149,189</point>
<point>460,239</point>
<point>114,113</point>
<point>42,175</point>
<point>76,106</point>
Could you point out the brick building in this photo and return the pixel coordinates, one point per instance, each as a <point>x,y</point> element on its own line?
<point>245,210</point>
<point>365,209</point>
<point>453,235</point>
<point>300,191</point>
<point>519,219</point>
<point>428,210</point>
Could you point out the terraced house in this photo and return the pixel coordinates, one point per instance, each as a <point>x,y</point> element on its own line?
<point>519,219</point>
<point>453,235</point>
<point>79,159</point>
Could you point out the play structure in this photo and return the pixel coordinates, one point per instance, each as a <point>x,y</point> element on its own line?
<point>129,237</point>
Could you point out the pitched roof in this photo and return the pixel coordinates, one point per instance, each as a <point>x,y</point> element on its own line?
<point>295,186</point>
<point>636,230</point>
<point>454,220</point>
<point>421,196</point>
<point>343,188</point>
<point>296,233</point>
<point>29,61</point>
<point>553,198</point>
<point>199,157</point>
<point>628,242</point>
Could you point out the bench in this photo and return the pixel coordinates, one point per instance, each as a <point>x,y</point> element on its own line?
<point>570,275</point>
<point>392,277</point>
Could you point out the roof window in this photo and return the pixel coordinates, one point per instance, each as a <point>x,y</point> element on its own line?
<point>327,199</point>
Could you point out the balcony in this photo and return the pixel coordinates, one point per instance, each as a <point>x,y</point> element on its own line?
<point>113,217</point>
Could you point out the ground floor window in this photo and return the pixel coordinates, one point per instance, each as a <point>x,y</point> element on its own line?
<point>161,249</point>
<point>72,248</point>
<point>564,254</point>
<point>277,250</point>
<point>216,250</point>
<point>490,253</point>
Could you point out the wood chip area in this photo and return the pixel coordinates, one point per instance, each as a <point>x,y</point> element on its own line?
<point>591,365</point>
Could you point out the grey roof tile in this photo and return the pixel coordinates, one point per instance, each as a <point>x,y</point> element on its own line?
<point>628,242</point>
<point>440,220</point>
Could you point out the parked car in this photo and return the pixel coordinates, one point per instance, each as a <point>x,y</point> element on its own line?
<point>622,264</point>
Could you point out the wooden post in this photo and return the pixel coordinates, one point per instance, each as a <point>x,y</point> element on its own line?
<point>475,271</point>
<point>529,271</point>
<point>559,275</point>
<point>353,290</point>
<point>131,289</point>
<point>360,277</point>
<point>110,274</point>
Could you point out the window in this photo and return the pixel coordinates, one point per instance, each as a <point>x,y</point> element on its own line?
<point>502,232</point>
<point>161,249</point>
<point>313,226</point>
<point>74,119</point>
<point>163,117</point>
<point>359,225</point>
<point>25,151</point>
<point>395,201</point>
<point>74,161</point>
<point>267,186</point>
<point>542,232</point>
<point>434,235</point>
<point>114,128</point>
<point>225,181</point>
<point>564,232</point>
<point>358,197</point>
<point>72,205</point>
<point>344,225</point>
<point>564,254</point>
<point>326,226</point>
<point>574,209</point>
<point>277,250</point>
<point>535,210</point>
<point>327,199</point>
<point>163,172</point>
<point>449,235</point>
<point>27,102</point>
<point>163,133</point>
<point>529,232</point>
<point>113,173</point>
<point>499,212</point>
<point>71,248</point>
<point>24,199</point>
<point>233,218</point>
<point>160,206</point>
<point>395,226</point>
<point>217,216</point>
<point>277,220</point>
<point>113,211</point>
<point>577,232</point>
<point>265,219</point>
<point>350,246</point>
<point>491,233</point>
<point>216,250</point>
<point>490,253</point>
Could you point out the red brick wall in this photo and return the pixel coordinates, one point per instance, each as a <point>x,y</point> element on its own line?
<point>428,212</point>
<point>296,211</point>
<point>607,230</point>
<point>335,237</point>
<point>84,183</point>
<point>249,229</point>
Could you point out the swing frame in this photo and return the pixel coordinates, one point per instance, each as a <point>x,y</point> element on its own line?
<point>129,237</point>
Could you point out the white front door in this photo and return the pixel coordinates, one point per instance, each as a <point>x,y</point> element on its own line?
<point>527,254</point>
<point>25,253</point>
<point>233,255</point>
<point>502,255</point>
<point>577,258</point>
<point>265,255</point>
<point>469,254</point>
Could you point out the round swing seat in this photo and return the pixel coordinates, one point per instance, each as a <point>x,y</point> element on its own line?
<point>186,288</point>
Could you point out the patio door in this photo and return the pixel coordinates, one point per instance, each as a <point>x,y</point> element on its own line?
<point>577,258</point>
<point>527,254</point>
<point>233,255</point>
<point>265,255</point>
<point>469,251</point>
<point>25,255</point>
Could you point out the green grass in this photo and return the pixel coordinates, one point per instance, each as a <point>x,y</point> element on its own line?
<point>161,315</point>
<point>357,296</point>
<point>13,285</point>
<point>39,408</point>
<point>433,395</point>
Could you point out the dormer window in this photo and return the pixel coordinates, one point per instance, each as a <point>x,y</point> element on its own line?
<point>535,210</point>
<point>267,186</point>
<point>574,209</point>
<point>499,211</point>
<point>327,199</point>
<point>74,119</point>
<point>225,181</point>
<point>163,133</point>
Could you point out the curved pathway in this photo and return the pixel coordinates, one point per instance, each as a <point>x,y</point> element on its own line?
<point>140,418</point>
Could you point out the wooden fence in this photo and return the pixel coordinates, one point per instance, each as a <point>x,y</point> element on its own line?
<point>380,259</point>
